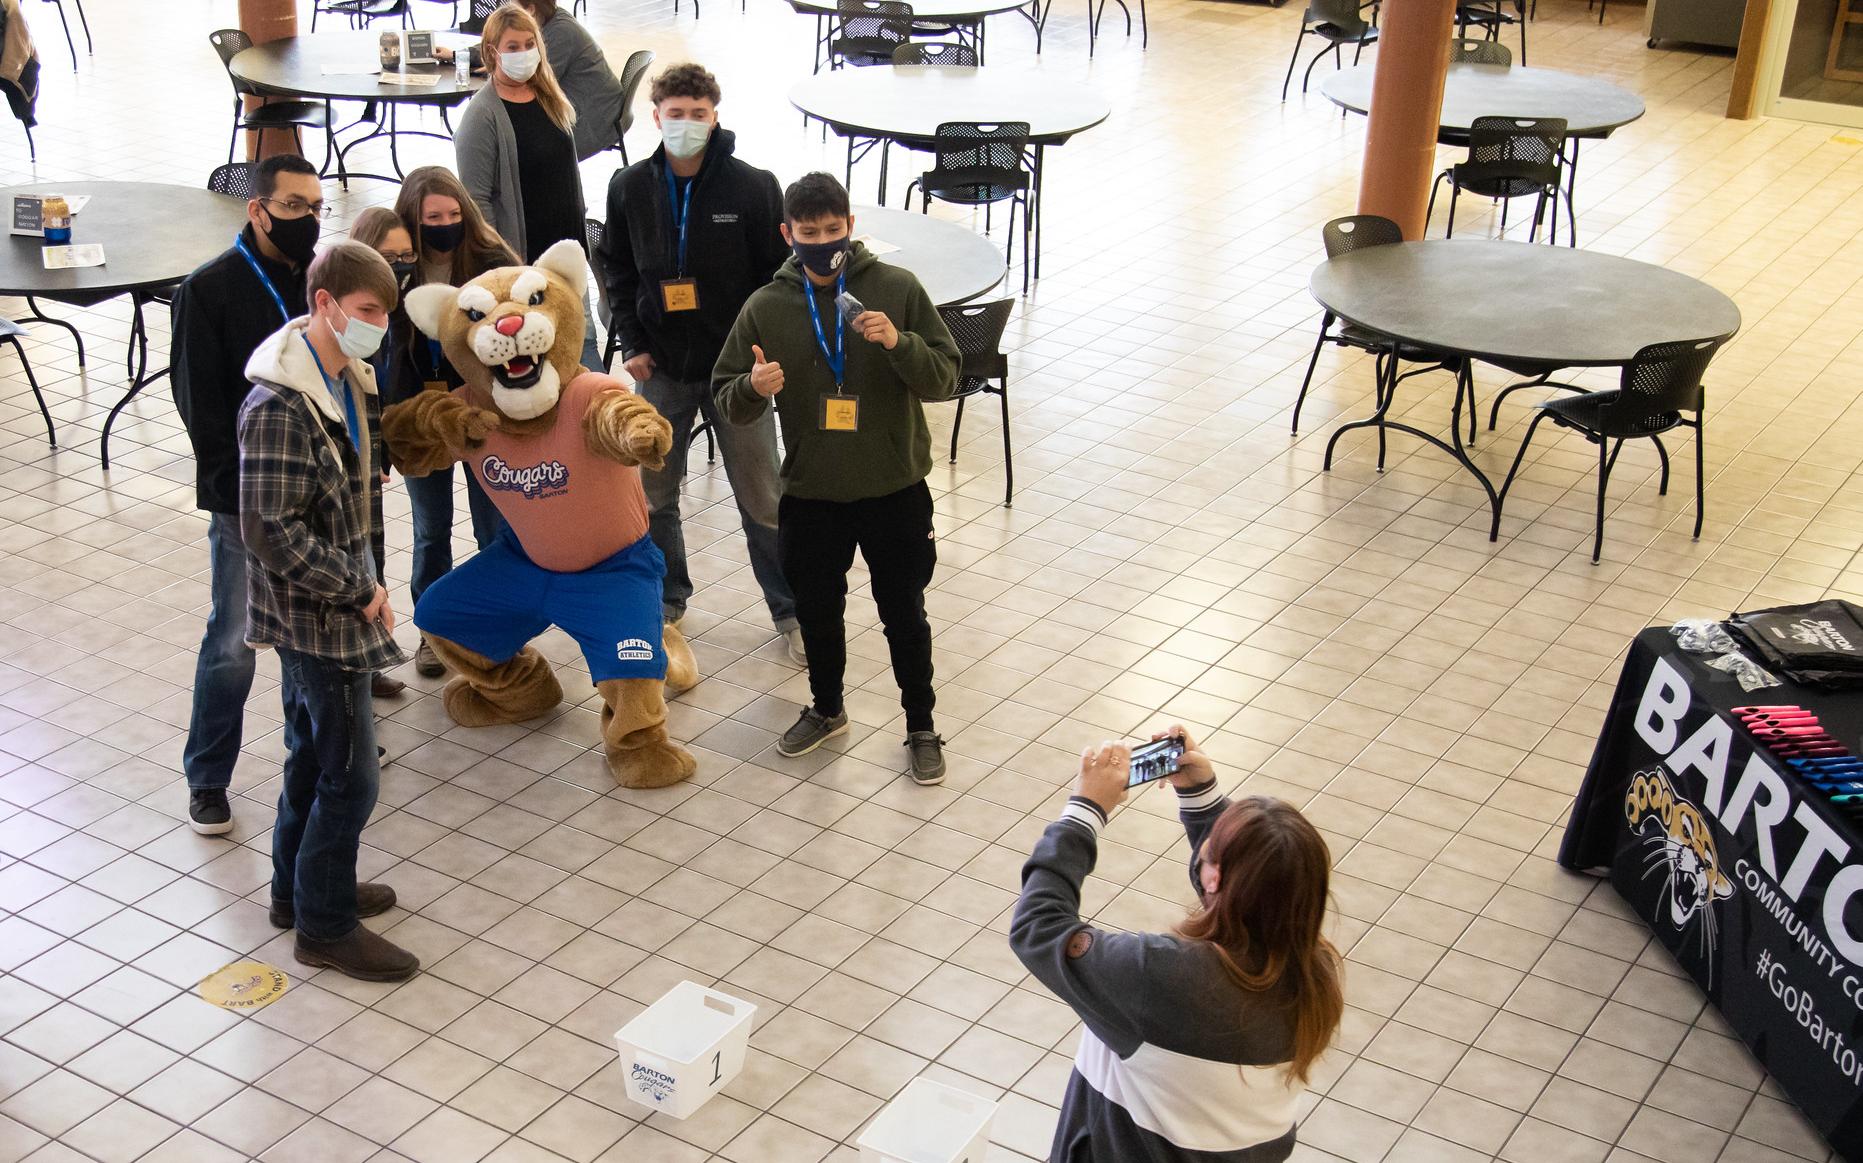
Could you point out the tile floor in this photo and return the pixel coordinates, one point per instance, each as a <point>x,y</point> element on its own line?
<point>1348,640</point>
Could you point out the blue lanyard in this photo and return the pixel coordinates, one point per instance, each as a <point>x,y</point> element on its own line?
<point>682,211</point>
<point>352,421</point>
<point>837,359</point>
<point>433,350</point>
<point>265,280</point>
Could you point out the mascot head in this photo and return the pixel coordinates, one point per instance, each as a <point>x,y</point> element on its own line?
<point>514,334</point>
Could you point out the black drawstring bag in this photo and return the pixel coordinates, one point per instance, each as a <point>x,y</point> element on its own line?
<point>1819,643</point>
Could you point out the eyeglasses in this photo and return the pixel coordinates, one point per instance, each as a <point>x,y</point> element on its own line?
<point>295,208</point>
<point>395,256</point>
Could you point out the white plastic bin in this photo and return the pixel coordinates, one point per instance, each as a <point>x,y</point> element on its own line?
<point>929,1123</point>
<point>684,1048</point>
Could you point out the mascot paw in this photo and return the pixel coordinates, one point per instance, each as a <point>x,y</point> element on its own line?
<point>626,428</point>
<point>659,765</point>
<point>682,670</point>
<point>429,432</point>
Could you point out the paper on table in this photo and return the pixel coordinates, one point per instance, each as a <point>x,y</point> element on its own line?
<point>61,258</point>
<point>416,80</point>
<point>77,202</point>
<point>875,245</point>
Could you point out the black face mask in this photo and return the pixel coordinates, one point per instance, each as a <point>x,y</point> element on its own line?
<point>295,238</point>
<point>442,239</point>
<point>404,273</point>
<point>822,258</point>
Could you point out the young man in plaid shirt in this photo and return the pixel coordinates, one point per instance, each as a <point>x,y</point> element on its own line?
<point>310,509</point>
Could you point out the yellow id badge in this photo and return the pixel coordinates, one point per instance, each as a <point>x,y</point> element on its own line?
<point>679,294</point>
<point>434,386</point>
<point>840,413</point>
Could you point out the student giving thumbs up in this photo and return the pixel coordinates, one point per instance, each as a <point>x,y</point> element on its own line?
<point>766,377</point>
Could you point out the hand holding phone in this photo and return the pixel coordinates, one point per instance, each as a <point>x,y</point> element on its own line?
<point>1155,760</point>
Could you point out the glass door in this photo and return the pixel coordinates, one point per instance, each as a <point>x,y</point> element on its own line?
<point>1814,61</point>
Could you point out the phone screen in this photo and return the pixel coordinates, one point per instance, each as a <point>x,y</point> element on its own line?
<point>1155,760</point>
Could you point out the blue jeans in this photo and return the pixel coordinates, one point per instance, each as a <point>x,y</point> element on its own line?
<point>223,669</point>
<point>331,779</point>
<point>431,497</point>
<point>750,464</point>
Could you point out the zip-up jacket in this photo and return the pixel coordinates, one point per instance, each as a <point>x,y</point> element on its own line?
<point>221,313</point>
<point>891,449</point>
<point>733,246</point>
<point>1178,1062</point>
<point>310,507</point>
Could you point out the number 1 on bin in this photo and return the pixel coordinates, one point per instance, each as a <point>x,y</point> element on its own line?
<point>717,1067</point>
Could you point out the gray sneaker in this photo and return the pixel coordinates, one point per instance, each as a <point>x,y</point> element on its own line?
<point>812,730</point>
<point>927,748</point>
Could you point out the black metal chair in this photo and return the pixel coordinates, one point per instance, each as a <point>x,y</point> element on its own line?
<point>936,53</point>
<point>981,164</point>
<point>1336,22</point>
<point>632,74</point>
<point>978,329</point>
<point>869,32</point>
<point>11,333</point>
<point>295,116</point>
<point>362,13</point>
<point>1661,382</point>
<point>89,48</point>
<point>1491,17</point>
<point>1466,51</point>
<point>1508,158</point>
<point>592,231</point>
<point>1343,236</point>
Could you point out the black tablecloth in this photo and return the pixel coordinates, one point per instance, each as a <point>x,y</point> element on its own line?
<point>1744,872</point>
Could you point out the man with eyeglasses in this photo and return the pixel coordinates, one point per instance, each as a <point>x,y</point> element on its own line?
<point>222,312</point>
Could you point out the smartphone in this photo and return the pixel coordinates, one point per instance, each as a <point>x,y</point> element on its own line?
<point>849,306</point>
<point>1155,760</point>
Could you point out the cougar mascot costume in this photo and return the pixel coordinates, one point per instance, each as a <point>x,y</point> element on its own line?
<point>558,450</point>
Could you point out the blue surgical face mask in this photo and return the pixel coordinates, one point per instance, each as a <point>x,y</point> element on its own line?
<point>684,137</point>
<point>519,66</point>
<point>359,339</point>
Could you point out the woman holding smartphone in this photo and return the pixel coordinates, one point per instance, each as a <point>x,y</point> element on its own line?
<point>1198,1042</point>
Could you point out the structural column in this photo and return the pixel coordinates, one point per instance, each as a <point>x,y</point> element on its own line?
<point>1406,106</point>
<point>265,20</point>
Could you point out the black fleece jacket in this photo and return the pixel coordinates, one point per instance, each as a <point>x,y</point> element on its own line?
<point>221,314</point>
<point>733,246</point>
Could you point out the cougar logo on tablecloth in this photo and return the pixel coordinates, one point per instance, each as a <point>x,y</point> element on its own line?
<point>1679,846</point>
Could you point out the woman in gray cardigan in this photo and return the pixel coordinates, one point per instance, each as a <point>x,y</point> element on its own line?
<point>582,68</point>
<point>517,156</point>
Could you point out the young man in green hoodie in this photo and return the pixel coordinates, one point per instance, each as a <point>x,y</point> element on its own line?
<point>847,379</point>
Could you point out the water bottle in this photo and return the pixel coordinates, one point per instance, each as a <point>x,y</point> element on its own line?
<point>462,66</point>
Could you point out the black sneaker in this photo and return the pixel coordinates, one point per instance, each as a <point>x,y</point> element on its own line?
<point>927,749</point>
<point>812,730</point>
<point>209,813</point>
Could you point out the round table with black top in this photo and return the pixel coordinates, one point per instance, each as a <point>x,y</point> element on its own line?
<point>1589,106</point>
<point>906,104</point>
<point>953,264</point>
<point>965,17</point>
<point>294,66</point>
<point>1513,304</point>
<point>153,236</point>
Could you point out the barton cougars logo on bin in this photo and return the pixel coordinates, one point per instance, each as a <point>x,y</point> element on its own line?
<point>652,1085</point>
<point>1677,845</point>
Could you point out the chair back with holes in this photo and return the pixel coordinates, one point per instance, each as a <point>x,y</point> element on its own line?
<point>871,29</point>
<point>978,330</point>
<point>1359,232</point>
<point>936,53</point>
<point>979,162</point>
<point>1512,156</point>
<point>1659,381</point>
<point>229,43</point>
<point>235,180</point>
<point>1340,14</point>
<point>1466,51</point>
<point>592,231</point>
<point>632,73</point>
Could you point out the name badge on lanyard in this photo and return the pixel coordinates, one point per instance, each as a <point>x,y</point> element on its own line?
<point>682,293</point>
<point>840,411</point>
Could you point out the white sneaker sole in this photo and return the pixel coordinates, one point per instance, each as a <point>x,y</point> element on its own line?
<point>827,735</point>
<point>220,829</point>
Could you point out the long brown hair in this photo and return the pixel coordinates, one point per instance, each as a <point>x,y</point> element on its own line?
<point>543,82</point>
<point>373,225</point>
<point>1266,915</point>
<point>479,251</point>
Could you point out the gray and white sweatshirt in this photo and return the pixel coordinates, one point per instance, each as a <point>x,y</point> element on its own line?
<point>1178,1063</point>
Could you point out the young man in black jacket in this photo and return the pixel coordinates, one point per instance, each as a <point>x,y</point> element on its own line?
<point>222,313</point>
<point>692,231</point>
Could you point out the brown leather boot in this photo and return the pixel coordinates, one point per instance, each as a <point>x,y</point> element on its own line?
<point>372,900</point>
<point>359,954</point>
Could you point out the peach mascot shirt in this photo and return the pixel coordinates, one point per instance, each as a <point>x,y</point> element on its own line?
<point>570,508</point>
